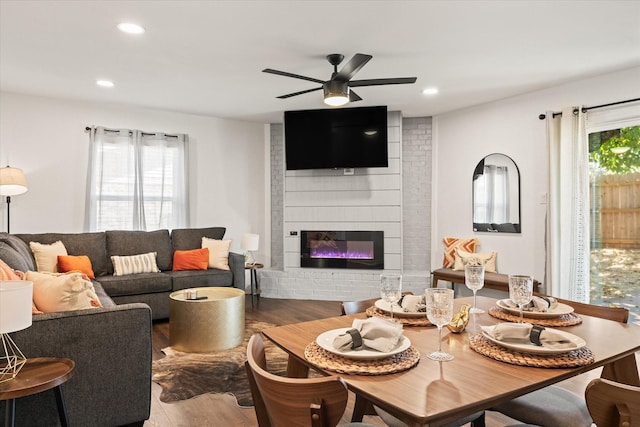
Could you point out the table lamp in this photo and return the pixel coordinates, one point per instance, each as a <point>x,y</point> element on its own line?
<point>12,183</point>
<point>15,314</point>
<point>250,243</point>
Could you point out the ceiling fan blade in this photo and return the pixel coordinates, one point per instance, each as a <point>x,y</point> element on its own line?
<point>378,82</point>
<point>295,76</point>
<point>353,97</point>
<point>352,67</point>
<point>298,93</point>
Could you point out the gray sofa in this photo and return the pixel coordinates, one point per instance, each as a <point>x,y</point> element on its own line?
<point>111,346</point>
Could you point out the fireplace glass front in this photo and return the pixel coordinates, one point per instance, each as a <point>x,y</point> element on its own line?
<point>342,249</point>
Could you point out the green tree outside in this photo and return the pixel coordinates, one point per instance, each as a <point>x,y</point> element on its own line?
<point>616,152</point>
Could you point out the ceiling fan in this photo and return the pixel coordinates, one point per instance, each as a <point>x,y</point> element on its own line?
<point>337,90</point>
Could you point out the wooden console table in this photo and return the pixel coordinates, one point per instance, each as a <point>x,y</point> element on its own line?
<point>37,375</point>
<point>491,280</point>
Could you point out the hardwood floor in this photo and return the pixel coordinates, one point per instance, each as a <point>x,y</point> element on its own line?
<point>221,410</point>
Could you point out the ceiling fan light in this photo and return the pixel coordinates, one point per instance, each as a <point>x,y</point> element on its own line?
<point>336,93</point>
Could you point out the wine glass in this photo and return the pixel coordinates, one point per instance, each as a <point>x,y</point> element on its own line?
<point>439,303</point>
<point>391,289</point>
<point>520,291</point>
<point>474,279</point>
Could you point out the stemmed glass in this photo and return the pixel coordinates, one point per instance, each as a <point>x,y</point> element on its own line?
<point>474,279</point>
<point>520,291</point>
<point>391,289</point>
<point>439,303</point>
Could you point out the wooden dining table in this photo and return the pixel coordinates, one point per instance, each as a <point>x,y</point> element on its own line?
<point>432,393</point>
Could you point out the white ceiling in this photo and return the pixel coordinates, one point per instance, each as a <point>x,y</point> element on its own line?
<point>206,57</point>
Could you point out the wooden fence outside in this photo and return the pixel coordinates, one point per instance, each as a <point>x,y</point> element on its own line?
<point>615,211</point>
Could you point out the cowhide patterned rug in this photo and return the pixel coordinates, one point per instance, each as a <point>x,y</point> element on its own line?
<point>186,375</point>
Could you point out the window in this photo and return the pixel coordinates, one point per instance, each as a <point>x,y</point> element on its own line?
<point>137,181</point>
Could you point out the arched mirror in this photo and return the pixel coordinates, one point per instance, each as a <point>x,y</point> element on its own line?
<point>496,195</point>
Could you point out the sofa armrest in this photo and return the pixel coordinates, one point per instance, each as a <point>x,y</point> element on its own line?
<point>236,265</point>
<point>111,348</point>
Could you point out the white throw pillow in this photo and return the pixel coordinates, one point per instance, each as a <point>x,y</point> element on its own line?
<point>62,292</point>
<point>47,255</point>
<point>488,259</point>
<point>133,264</point>
<point>218,252</point>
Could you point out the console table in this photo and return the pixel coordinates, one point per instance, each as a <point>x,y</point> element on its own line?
<point>37,375</point>
<point>491,280</point>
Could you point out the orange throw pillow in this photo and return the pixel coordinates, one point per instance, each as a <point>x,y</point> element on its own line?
<point>453,243</point>
<point>195,259</point>
<point>71,263</point>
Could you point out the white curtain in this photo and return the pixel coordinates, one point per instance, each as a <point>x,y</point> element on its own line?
<point>136,180</point>
<point>491,196</point>
<point>567,233</point>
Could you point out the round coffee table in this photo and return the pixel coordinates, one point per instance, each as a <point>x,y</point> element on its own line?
<point>206,325</point>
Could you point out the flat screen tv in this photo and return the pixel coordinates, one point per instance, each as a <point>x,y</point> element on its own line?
<point>336,138</point>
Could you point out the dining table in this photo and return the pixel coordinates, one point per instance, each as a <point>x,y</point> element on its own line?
<point>431,393</point>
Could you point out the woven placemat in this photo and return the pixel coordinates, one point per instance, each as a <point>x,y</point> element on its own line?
<point>563,320</point>
<point>373,311</point>
<point>571,359</point>
<point>389,365</point>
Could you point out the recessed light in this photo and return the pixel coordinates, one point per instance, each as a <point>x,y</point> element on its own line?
<point>430,91</point>
<point>104,83</point>
<point>129,28</point>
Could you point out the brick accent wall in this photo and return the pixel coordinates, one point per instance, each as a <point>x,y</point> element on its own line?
<point>277,196</point>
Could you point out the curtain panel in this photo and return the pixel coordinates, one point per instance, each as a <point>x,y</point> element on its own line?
<point>136,180</point>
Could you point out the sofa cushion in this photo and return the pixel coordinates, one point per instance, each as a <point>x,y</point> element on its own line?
<point>200,278</point>
<point>70,263</point>
<point>62,292</point>
<point>93,245</point>
<point>124,242</point>
<point>136,284</point>
<point>16,253</point>
<point>191,238</point>
<point>105,299</point>
<point>47,255</point>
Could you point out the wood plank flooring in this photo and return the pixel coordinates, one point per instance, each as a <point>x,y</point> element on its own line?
<point>213,410</point>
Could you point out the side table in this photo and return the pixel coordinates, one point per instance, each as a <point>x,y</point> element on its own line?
<point>37,375</point>
<point>255,285</point>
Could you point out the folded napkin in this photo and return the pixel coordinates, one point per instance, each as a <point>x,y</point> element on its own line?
<point>525,333</point>
<point>413,303</point>
<point>375,333</point>
<point>537,304</point>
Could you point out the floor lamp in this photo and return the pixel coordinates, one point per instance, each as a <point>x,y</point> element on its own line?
<point>12,183</point>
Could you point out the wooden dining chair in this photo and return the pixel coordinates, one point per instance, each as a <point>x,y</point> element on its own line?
<point>363,407</point>
<point>553,406</point>
<point>613,404</point>
<point>284,402</point>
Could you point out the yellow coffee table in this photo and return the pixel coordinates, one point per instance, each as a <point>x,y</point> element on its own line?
<point>214,322</point>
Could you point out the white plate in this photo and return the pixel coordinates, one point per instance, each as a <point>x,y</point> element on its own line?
<point>325,340</point>
<point>397,310</point>
<point>536,349</point>
<point>557,311</point>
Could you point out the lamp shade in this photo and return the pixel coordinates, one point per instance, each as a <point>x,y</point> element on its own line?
<point>250,242</point>
<point>16,298</point>
<point>12,181</point>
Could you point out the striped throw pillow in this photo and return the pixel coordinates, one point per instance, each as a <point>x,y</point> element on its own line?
<point>143,263</point>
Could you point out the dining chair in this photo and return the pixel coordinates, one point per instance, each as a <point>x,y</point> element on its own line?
<point>366,408</point>
<point>613,404</point>
<point>283,402</point>
<point>554,406</point>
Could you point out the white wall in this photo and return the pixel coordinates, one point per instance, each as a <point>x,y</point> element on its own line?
<point>512,127</point>
<point>46,138</point>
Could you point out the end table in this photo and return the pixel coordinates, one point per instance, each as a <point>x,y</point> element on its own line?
<point>37,375</point>
<point>255,285</point>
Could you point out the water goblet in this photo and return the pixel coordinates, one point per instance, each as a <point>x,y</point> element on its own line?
<point>391,289</point>
<point>439,303</point>
<point>520,291</point>
<point>474,279</point>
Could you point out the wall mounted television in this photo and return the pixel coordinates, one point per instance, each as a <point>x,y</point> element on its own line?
<point>336,138</point>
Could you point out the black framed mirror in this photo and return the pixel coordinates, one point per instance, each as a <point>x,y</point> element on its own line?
<point>496,195</point>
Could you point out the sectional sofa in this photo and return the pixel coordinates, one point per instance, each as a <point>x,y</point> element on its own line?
<point>110,345</point>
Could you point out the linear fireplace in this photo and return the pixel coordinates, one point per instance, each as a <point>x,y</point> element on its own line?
<point>342,249</point>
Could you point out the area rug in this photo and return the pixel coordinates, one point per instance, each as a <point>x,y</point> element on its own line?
<point>185,375</point>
